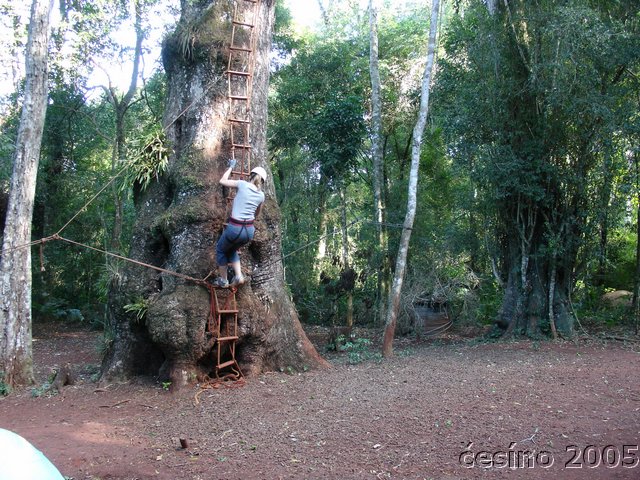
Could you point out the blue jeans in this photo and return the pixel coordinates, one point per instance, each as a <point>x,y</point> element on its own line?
<point>233,237</point>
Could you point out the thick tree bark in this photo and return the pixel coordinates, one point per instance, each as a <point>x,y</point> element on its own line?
<point>537,291</point>
<point>403,249</point>
<point>15,263</point>
<point>181,217</point>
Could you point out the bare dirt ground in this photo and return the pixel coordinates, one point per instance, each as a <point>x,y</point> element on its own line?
<point>445,409</point>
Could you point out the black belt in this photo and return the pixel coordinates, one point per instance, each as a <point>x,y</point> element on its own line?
<point>240,223</point>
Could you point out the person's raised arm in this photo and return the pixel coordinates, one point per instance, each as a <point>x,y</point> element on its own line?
<point>225,180</point>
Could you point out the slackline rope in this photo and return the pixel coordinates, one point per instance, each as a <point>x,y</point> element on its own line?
<point>199,281</point>
<point>131,260</point>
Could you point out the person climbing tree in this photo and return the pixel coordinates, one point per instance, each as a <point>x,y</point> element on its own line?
<point>239,229</point>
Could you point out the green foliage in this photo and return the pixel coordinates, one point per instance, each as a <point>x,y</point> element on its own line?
<point>45,388</point>
<point>139,308</point>
<point>318,134</point>
<point>151,159</point>
<point>318,107</point>
<point>58,309</point>
<point>597,314</point>
<point>358,349</point>
<point>490,296</point>
<point>533,119</point>
<point>621,260</point>
<point>76,163</point>
<point>106,341</point>
<point>195,35</point>
<point>8,133</point>
<point>284,39</point>
<point>5,388</point>
<point>110,276</point>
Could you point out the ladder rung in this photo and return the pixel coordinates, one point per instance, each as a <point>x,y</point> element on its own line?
<point>238,97</point>
<point>241,174</point>
<point>227,311</point>
<point>243,24</point>
<point>235,72</point>
<point>237,120</point>
<point>240,49</point>
<point>237,145</point>
<point>251,1</point>
<point>227,339</point>
<point>226,364</point>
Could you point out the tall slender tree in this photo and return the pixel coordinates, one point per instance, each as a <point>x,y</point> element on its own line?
<point>377,155</point>
<point>15,264</point>
<point>416,149</point>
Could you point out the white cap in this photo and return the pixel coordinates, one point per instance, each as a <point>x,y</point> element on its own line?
<point>260,171</point>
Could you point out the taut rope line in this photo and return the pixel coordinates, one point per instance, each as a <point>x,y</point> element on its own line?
<point>131,260</point>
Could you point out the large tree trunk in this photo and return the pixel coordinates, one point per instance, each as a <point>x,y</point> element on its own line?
<point>180,218</point>
<point>539,280</point>
<point>15,263</point>
<point>405,237</point>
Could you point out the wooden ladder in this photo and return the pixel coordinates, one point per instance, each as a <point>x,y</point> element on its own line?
<point>222,324</point>
<point>240,83</point>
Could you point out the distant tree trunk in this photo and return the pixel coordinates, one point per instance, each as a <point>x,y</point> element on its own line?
<point>322,229</point>
<point>180,218</point>
<point>16,48</point>
<point>491,6</point>
<point>15,263</point>
<point>377,155</point>
<point>603,220</point>
<point>325,11</point>
<point>403,249</point>
<point>636,278</point>
<point>345,254</point>
<point>551,300</point>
